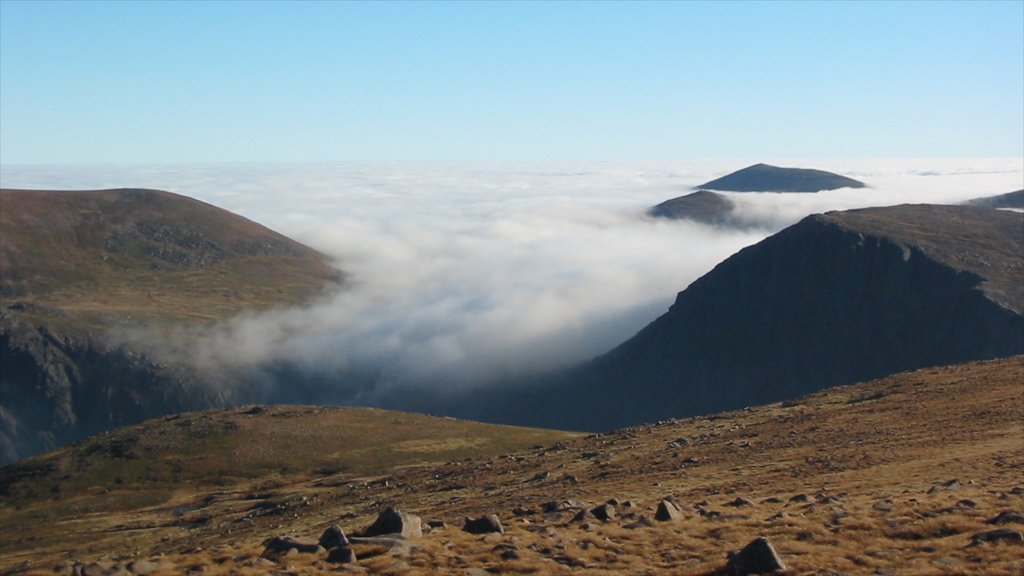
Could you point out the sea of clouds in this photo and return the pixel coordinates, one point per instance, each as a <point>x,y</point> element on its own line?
<point>459,275</point>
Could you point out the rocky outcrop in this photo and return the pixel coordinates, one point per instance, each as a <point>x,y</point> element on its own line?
<point>766,178</point>
<point>838,298</point>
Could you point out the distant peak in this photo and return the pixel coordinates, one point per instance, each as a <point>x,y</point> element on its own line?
<point>762,177</point>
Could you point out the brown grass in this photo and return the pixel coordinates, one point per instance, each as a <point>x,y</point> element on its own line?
<point>874,461</point>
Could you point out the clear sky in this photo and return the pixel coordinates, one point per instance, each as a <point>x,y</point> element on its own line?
<point>150,82</point>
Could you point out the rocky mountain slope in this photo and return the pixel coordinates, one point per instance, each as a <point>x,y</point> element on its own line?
<point>76,266</point>
<point>1009,200</point>
<point>766,178</point>
<point>917,473</point>
<point>835,299</point>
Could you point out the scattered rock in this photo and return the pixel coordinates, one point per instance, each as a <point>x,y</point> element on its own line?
<point>1006,517</point>
<point>800,498</point>
<point>333,537</point>
<point>997,535</point>
<point>147,567</point>
<point>758,557</point>
<point>483,525</point>
<point>562,505</point>
<point>772,500</point>
<point>393,521</point>
<point>604,512</point>
<point>583,516</point>
<point>883,505</point>
<point>740,501</point>
<point>642,522</point>
<point>394,544</point>
<point>342,555</point>
<point>281,545</point>
<point>667,511</point>
<point>437,524</point>
<point>507,551</point>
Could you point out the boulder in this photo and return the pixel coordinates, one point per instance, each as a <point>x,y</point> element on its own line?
<point>394,521</point>
<point>280,545</point>
<point>642,522</point>
<point>342,555</point>
<point>667,511</point>
<point>483,525</point>
<point>1006,517</point>
<point>996,535</point>
<point>604,512</point>
<point>758,557</point>
<point>333,537</point>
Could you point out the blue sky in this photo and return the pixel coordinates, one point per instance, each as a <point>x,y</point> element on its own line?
<point>148,82</point>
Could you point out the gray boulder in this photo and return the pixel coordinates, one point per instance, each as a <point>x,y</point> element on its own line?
<point>604,512</point>
<point>394,521</point>
<point>997,535</point>
<point>758,557</point>
<point>342,555</point>
<point>280,545</point>
<point>333,537</point>
<point>667,512</point>
<point>483,525</point>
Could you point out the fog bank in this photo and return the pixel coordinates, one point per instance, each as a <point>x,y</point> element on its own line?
<point>461,275</point>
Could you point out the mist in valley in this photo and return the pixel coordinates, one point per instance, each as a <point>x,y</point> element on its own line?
<point>461,276</point>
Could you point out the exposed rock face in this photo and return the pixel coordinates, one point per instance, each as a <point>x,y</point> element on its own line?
<point>766,178</point>
<point>838,298</point>
<point>57,389</point>
<point>703,206</point>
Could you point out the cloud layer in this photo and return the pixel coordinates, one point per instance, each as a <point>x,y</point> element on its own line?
<point>467,274</point>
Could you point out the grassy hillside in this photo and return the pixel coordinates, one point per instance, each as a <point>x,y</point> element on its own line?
<point>131,255</point>
<point>892,476</point>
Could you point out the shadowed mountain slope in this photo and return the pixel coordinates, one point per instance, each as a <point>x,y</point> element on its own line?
<point>766,178</point>
<point>1008,200</point>
<point>703,206</point>
<point>837,298</point>
<point>76,265</point>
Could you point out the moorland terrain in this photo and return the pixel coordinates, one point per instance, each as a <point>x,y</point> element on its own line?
<point>916,473</point>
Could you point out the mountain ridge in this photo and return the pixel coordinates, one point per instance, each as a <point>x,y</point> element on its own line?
<point>768,178</point>
<point>834,299</point>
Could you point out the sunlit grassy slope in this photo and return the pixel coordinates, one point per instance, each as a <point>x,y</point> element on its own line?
<point>892,477</point>
<point>94,257</point>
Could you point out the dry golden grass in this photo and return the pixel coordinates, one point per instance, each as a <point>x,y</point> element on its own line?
<point>863,475</point>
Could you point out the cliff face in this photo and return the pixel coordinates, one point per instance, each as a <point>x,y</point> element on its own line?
<point>57,389</point>
<point>835,299</point>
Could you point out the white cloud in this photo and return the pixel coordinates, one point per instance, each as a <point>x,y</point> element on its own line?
<point>465,273</point>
